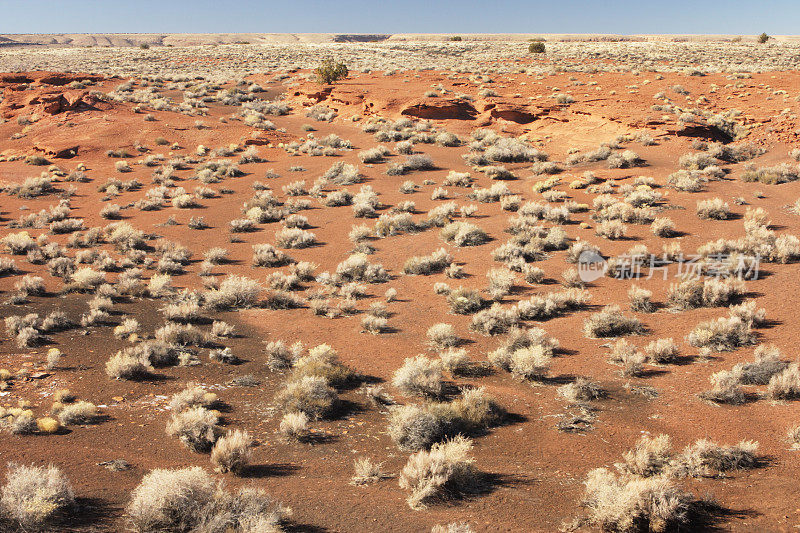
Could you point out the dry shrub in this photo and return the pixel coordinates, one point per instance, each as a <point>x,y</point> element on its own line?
<point>544,306</point>
<point>129,366</point>
<point>235,292</point>
<point>463,234</point>
<point>23,423</point>
<point>649,456</point>
<point>704,458</point>
<point>441,336</point>
<point>725,388</point>
<point>626,355</point>
<point>723,334</point>
<point>767,363</point>
<point>793,437</point>
<point>279,356</point>
<point>501,280</point>
<point>232,452</point>
<point>196,427</point>
<point>610,322</point>
<point>188,499</point>
<point>445,472</point>
<point>34,496</point>
<point>495,320</point>
<point>785,385</point>
<point>473,411</point>
<point>294,238</point>
<point>465,301</point>
<point>367,472</point>
<point>374,324</point>
<point>456,361</point>
<point>428,264</point>
<point>413,427</point>
<point>581,390</point>
<point>294,426</point>
<point>629,503</point>
<point>453,527</point>
<point>640,299</point>
<point>611,229</point>
<point>661,351</point>
<point>693,293</point>
<point>192,396</point>
<point>310,395</point>
<point>663,227</point>
<point>323,361</point>
<point>714,208</point>
<point>525,353</point>
<point>180,334</point>
<point>78,413</point>
<point>419,376</point>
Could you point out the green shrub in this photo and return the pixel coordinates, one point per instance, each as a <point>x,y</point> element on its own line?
<point>763,38</point>
<point>330,71</point>
<point>536,47</point>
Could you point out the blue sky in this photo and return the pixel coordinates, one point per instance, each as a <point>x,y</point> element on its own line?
<point>401,16</point>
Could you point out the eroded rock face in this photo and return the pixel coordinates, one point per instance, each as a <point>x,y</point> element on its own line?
<point>440,109</point>
<point>57,79</point>
<point>707,132</point>
<point>39,92</point>
<point>512,113</point>
<point>56,150</point>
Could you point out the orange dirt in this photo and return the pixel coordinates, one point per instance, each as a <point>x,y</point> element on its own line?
<point>538,470</point>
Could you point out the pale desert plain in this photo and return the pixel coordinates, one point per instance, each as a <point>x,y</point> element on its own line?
<point>367,283</point>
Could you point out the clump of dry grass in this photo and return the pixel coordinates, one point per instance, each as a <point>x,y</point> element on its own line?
<point>235,292</point>
<point>630,503</point>
<point>495,320</point>
<point>640,299</point>
<point>785,385</point>
<point>322,361</point>
<point>232,452</point>
<point>294,426</point>
<point>414,427</point>
<point>581,390</point>
<point>725,388</point>
<point>367,472</point>
<point>442,336</point>
<point>126,365</point>
<point>196,427</point>
<point>767,363</point>
<point>627,356</point>
<point>192,396</point>
<point>419,376</point>
<point>723,334</point>
<point>611,229</point>
<point>465,301</point>
<point>188,499</point>
<point>649,457</point>
<point>610,322</point>
<point>435,262</point>
<point>446,471</point>
<point>661,351</point>
<point>311,395</point>
<point>463,234</point>
<point>78,413</point>
<point>34,496</point>
<point>525,353</point>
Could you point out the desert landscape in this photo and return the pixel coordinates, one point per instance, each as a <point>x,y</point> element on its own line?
<point>366,283</point>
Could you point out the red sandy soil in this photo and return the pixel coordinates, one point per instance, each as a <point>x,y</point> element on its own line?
<point>539,470</point>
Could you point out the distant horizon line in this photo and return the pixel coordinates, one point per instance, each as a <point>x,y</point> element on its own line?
<point>392,33</point>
